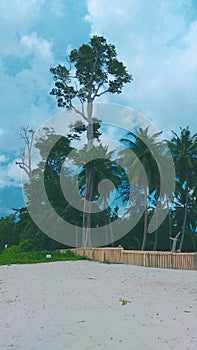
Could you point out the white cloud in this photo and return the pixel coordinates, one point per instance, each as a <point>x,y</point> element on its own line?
<point>119,14</point>
<point>25,81</point>
<point>14,172</point>
<point>156,40</point>
<point>158,44</point>
<point>189,55</point>
<point>16,17</point>
<point>20,11</point>
<point>40,48</point>
<point>32,38</point>
<point>10,174</point>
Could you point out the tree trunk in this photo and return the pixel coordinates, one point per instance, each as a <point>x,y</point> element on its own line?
<point>76,233</point>
<point>106,229</point>
<point>193,241</point>
<point>108,225</point>
<point>86,228</point>
<point>110,228</point>
<point>90,131</point>
<point>145,220</point>
<point>156,236</point>
<point>156,240</point>
<point>169,223</point>
<point>184,221</point>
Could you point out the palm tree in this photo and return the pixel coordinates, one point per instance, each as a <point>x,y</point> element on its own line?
<point>102,168</point>
<point>184,152</point>
<point>144,147</point>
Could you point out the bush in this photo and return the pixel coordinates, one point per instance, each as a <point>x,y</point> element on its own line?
<point>16,255</point>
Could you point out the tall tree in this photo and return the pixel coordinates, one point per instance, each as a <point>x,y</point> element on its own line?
<point>93,70</point>
<point>141,143</point>
<point>28,136</point>
<point>103,168</point>
<point>184,152</point>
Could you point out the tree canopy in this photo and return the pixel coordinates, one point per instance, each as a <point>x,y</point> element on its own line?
<point>92,71</point>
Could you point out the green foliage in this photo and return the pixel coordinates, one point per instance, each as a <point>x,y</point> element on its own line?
<point>8,232</point>
<point>93,71</point>
<point>97,71</point>
<point>79,127</point>
<point>33,237</point>
<point>18,228</point>
<point>145,147</point>
<point>17,255</point>
<point>184,152</point>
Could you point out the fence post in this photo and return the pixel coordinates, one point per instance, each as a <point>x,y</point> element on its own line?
<point>195,261</point>
<point>121,254</point>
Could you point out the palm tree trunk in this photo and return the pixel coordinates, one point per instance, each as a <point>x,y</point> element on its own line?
<point>193,241</point>
<point>145,219</point>
<point>105,222</point>
<point>110,228</point>
<point>86,228</point>
<point>156,236</point>
<point>156,240</point>
<point>169,223</point>
<point>76,233</point>
<point>184,221</point>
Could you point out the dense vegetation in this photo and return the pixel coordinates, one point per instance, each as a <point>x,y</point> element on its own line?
<point>18,255</point>
<point>93,70</point>
<point>19,227</point>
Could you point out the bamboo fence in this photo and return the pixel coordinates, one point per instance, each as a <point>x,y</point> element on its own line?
<point>165,260</point>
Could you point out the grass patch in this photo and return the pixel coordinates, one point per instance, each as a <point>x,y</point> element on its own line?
<point>14,255</point>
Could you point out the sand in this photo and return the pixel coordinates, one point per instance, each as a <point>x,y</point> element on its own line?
<point>77,305</point>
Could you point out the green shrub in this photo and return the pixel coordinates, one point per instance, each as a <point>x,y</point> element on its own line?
<point>16,255</point>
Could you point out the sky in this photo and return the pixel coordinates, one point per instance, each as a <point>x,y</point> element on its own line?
<point>155,39</point>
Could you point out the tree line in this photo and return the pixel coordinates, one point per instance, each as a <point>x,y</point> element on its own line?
<point>181,215</point>
<point>94,70</point>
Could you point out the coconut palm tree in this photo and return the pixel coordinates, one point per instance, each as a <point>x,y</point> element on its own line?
<point>144,147</point>
<point>184,152</point>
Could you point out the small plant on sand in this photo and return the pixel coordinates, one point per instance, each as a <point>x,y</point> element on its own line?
<point>124,301</point>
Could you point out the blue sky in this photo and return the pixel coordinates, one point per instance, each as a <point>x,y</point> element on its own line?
<point>155,39</point>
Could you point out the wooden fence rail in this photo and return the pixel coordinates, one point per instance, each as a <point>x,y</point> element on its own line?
<point>166,260</point>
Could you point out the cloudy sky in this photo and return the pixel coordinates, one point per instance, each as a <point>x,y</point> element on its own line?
<point>155,39</point>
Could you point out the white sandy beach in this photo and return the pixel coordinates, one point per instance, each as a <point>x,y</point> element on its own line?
<point>76,305</point>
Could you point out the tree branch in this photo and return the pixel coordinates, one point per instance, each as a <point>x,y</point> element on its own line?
<point>102,93</point>
<point>25,167</point>
<point>79,112</point>
<point>96,92</point>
